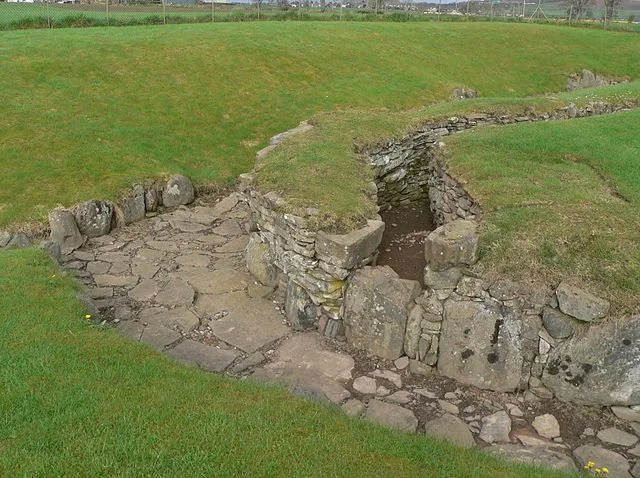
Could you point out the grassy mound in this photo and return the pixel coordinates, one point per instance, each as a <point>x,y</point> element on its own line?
<point>79,401</point>
<point>88,112</point>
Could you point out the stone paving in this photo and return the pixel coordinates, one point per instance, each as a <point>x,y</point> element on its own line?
<point>178,283</point>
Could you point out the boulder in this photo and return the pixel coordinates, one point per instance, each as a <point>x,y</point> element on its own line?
<point>5,237</point>
<point>486,345</point>
<point>260,261</point>
<point>455,243</point>
<point>349,250</point>
<point>93,218</point>
<point>133,206</point>
<point>376,306</point>
<point>64,230</point>
<point>178,190</point>
<point>19,241</point>
<point>450,428</point>
<point>392,416</point>
<point>601,368</point>
<point>301,312</point>
<point>496,427</point>
<point>547,426</point>
<point>580,304</point>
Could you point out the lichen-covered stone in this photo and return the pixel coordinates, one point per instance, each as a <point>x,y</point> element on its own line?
<point>376,307</point>
<point>260,261</point>
<point>580,304</point>
<point>133,206</point>
<point>64,230</point>
<point>301,312</point>
<point>94,218</point>
<point>453,244</point>
<point>178,190</point>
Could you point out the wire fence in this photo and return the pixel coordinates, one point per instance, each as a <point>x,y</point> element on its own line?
<point>21,14</point>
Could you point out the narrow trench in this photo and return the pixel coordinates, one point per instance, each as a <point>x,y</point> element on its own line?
<point>402,246</point>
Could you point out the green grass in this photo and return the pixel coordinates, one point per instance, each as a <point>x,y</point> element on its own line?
<point>88,112</point>
<point>79,401</point>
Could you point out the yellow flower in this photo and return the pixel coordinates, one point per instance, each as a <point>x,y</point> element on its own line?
<point>87,316</point>
<point>590,464</point>
<point>605,469</point>
<point>598,470</point>
<point>53,276</point>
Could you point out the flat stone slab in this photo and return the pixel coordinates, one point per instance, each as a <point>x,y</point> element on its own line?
<point>617,437</point>
<point>302,361</point>
<point>207,357</point>
<point>450,428</point>
<point>251,326</point>
<point>156,335</point>
<point>392,416</point>
<point>144,291</point>
<point>179,318</point>
<point>229,227</point>
<point>540,457</point>
<point>175,292</point>
<point>212,304</point>
<point>215,282</point>
<point>193,260</point>
<point>104,280</point>
<point>235,245</point>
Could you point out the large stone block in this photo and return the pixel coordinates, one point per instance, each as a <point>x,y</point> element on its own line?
<point>260,261</point>
<point>133,206</point>
<point>580,304</point>
<point>485,344</point>
<point>64,230</point>
<point>377,303</point>
<point>178,190</point>
<point>599,368</point>
<point>349,250</point>
<point>454,244</point>
<point>94,218</point>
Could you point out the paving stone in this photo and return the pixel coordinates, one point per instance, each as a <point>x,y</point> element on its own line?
<point>230,227</point>
<point>84,255</point>
<point>144,291</point>
<point>259,290</point>
<point>401,397</point>
<point>450,428</point>
<point>165,246</point>
<point>634,451</point>
<point>144,270</point>
<point>175,292</point>
<point>206,357</point>
<point>251,360</point>
<point>215,282</point>
<point>98,267</point>
<point>534,456</point>
<point>193,260</point>
<point>546,425</point>
<point>208,305</point>
<point>496,427</point>
<point>130,329</point>
<point>426,393</point>
<point>119,268</point>
<point>105,280</point>
<point>302,360</point>
<point>531,439</point>
<point>112,257</point>
<point>235,245</point>
<point>225,205</point>
<point>617,437</point>
<point>158,336</point>
<point>353,407</point>
<point>148,256</point>
<point>76,265</point>
<point>514,410</point>
<point>635,471</point>
<point>99,292</point>
<point>231,261</point>
<point>185,226</point>
<point>392,416</point>
<point>366,385</point>
<point>251,326</point>
<point>618,466</point>
<point>626,413</point>
<point>179,318</point>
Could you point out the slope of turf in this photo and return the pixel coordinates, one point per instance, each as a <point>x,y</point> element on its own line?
<point>79,401</point>
<point>87,112</point>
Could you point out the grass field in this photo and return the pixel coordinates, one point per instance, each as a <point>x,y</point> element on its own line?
<point>78,401</point>
<point>88,112</point>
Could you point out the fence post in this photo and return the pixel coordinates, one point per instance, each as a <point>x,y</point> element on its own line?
<point>107,4</point>
<point>164,12</point>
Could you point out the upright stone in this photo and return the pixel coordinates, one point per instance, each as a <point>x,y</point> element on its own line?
<point>133,206</point>
<point>301,312</point>
<point>580,304</point>
<point>349,250</point>
<point>64,230</point>
<point>94,217</point>
<point>455,243</point>
<point>376,307</point>
<point>178,190</point>
<point>260,261</point>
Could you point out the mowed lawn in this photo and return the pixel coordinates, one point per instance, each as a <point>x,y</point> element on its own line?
<point>85,113</point>
<point>77,400</point>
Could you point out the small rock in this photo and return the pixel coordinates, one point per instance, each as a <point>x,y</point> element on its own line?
<point>617,437</point>
<point>626,413</point>
<point>426,393</point>
<point>546,425</point>
<point>353,407</point>
<point>514,410</point>
<point>589,432</point>
<point>392,416</point>
<point>469,409</point>
<point>496,427</point>
<point>534,456</point>
<point>451,428</point>
<point>5,237</point>
<point>402,362</point>
<point>448,407</point>
<point>402,397</point>
<point>580,304</point>
<point>382,391</point>
<point>393,377</point>
<point>366,385</point>
<point>450,396</point>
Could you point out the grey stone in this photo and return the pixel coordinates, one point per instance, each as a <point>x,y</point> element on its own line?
<point>235,245</point>
<point>537,456</point>
<point>452,244</point>
<point>175,292</point>
<point>418,368</point>
<point>618,466</point>
<point>600,368</point>
<point>215,282</point>
<point>470,287</point>
<point>366,385</point>
<point>426,393</point>
<point>382,391</point>
<point>230,227</point>
<point>180,318</point>
<point>376,306</point>
<point>144,291</point>
<point>151,199</point>
<point>158,336</point>
<point>617,437</point>
<point>98,267</point>
<point>226,204</point>
<point>504,289</point>
<point>485,345</point>
<point>634,451</point>
<point>64,230</point>
<point>449,407</point>
<point>250,326</point>
<point>178,190</point>
<point>580,304</point>
<point>392,416</point>
<point>99,292</point>
<point>402,363</point>
<point>413,331</point>
<point>250,361</point>
<point>626,413</point>
<point>349,250</point>
<point>260,261</point>
<point>119,268</point>
<point>392,377</point>
<point>450,428</point>
<point>210,304</point>
<point>93,218</point>
<point>496,427</point>
<point>105,280</point>
<point>5,237</point>
<point>133,208</point>
<point>353,407</point>
<point>446,279</point>
<point>401,397</point>
<point>53,249</point>
<point>635,471</point>
<point>193,260</point>
<point>547,426</point>
<point>166,246</point>
<point>207,357</point>
<point>559,325</point>
<point>146,271</point>
<point>302,361</point>
<point>302,313</point>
